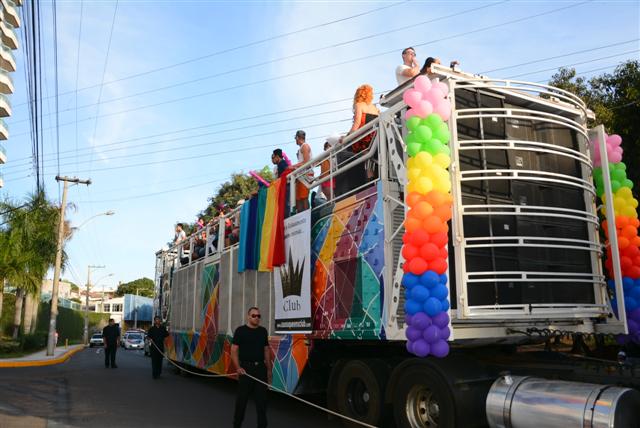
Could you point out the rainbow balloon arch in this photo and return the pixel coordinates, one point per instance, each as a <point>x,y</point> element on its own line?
<point>428,196</point>
<point>626,225</point>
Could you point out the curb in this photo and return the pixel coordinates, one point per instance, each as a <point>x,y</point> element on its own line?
<point>38,363</point>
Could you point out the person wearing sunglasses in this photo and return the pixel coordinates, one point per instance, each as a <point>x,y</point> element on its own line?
<point>251,355</point>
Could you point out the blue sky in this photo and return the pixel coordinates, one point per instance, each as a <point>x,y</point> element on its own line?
<point>163,142</point>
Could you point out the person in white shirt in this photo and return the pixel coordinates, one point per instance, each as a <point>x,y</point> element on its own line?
<point>409,68</point>
<point>180,234</point>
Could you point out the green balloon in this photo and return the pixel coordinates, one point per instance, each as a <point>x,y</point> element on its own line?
<point>442,133</point>
<point>615,186</point>
<point>599,191</point>
<point>433,121</point>
<point>627,183</point>
<point>413,149</point>
<point>597,174</point>
<point>410,138</point>
<point>433,146</point>
<point>622,165</point>
<point>446,150</point>
<point>423,134</point>
<point>413,122</point>
<point>619,175</point>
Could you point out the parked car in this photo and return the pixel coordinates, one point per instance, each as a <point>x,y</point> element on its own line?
<point>134,340</point>
<point>96,340</point>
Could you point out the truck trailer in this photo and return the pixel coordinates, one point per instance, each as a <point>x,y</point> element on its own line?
<point>531,326</point>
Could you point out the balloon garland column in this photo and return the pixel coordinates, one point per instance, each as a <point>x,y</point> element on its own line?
<point>428,195</point>
<point>626,221</point>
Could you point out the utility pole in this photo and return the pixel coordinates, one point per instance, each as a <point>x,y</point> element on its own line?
<point>135,310</point>
<point>85,336</point>
<point>51,339</point>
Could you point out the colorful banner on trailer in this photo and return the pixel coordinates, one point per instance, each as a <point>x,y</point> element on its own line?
<point>292,281</point>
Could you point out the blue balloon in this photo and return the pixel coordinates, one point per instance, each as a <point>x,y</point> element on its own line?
<point>636,282</point>
<point>614,307</point>
<point>409,280</point>
<point>432,306</point>
<point>420,293</point>
<point>635,293</point>
<point>440,292</point>
<point>445,304</point>
<point>429,279</point>
<point>627,284</point>
<point>630,304</point>
<point>612,284</point>
<point>407,293</point>
<point>443,279</point>
<point>412,307</point>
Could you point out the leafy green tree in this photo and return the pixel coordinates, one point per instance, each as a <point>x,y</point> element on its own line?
<point>143,286</point>
<point>615,99</point>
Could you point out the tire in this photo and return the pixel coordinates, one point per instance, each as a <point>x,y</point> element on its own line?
<point>357,391</point>
<point>422,399</point>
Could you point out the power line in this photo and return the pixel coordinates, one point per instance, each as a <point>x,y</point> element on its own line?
<point>234,48</point>
<point>247,84</point>
<point>55,56</point>
<point>78,72</point>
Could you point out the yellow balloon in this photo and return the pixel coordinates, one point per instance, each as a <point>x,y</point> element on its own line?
<point>424,185</point>
<point>411,163</point>
<point>411,187</point>
<point>413,173</point>
<point>442,160</point>
<point>634,203</point>
<point>423,159</point>
<point>625,192</point>
<point>629,211</point>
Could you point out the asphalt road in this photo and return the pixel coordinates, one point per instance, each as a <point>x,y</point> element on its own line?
<point>82,393</point>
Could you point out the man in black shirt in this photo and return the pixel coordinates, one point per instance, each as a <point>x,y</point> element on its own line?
<point>111,337</point>
<point>156,334</point>
<point>251,355</point>
<point>277,158</point>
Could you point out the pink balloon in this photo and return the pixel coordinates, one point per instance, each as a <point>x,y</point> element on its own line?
<point>422,84</point>
<point>615,157</point>
<point>443,87</point>
<point>444,109</point>
<point>410,113</point>
<point>412,97</point>
<point>424,109</point>
<point>436,94</point>
<point>614,140</point>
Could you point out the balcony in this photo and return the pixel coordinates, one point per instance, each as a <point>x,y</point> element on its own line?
<point>3,155</point>
<point>8,35</point>
<point>4,130</point>
<point>7,60</point>
<point>5,106</point>
<point>6,83</point>
<point>10,13</point>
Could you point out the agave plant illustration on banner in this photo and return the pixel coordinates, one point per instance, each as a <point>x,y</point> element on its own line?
<point>292,277</point>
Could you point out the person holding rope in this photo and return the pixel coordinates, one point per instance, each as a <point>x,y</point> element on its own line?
<point>251,355</point>
<point>156,334</point>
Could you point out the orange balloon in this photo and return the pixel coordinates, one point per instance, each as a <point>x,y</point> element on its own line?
<point>629,232</point>
<point>621,221</point>
<point>623,242</point>
<point>436,198</point>
<point>635,241</point>
<point>423,209</point>
<point>432,224</point>
<point>634,222</point>
<point>412,224</point>
<point>444,212</point>
<point>413,198</point>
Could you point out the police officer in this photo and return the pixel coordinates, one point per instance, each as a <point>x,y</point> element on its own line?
<point>111,337</point>
<point>156,334</point>
<point>250,354</point>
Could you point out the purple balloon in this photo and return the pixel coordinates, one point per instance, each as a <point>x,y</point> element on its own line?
<point>413,333</point>
<point>420,293</point>
<point>634,315</point>
<point>441,320</point>
<point>408,319</point>
<point>445,332</point>
<point>421,321</point>
<point>421,348</point>
<point>633,326</point>
<point>432,306</point>
<point>429,279</point>
<point>409,346</point>
<point>623,339</point>
<point>431,334</point>
<point>440,349</point>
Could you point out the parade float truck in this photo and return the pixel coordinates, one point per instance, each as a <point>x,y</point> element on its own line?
<point>460,272</point>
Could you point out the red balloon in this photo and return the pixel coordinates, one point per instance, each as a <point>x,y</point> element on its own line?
<point>419,237</point>
<point>405,267</point>
<point>629,232</point>
<point>625,262</point>
<point>418,266</point>
<point>409,252</point>
<point>439,265</point>
<point>634,222</point>
<point>429,251</point>
<point>412,224</point>
<point>636,261</point>
<point>621,221</point>
<point>440,239</point>
<point>633,272</point>
<point>623,242</point>
<point>406,238</point>
<point>636,241</point>
<point>444,252</point>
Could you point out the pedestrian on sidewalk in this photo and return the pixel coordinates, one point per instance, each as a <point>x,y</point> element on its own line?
<point>251,355</point>
<point>111,338</point>
<point>156,334</point>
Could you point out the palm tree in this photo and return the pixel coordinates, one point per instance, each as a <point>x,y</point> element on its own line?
<point>32,237</point>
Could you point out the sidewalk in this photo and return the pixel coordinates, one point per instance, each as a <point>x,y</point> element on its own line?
<point>40,358</point>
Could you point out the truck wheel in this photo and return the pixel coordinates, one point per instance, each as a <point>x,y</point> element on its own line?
<point>359,391</point>
<point>423,400</point>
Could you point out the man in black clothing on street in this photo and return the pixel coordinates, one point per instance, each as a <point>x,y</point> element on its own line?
<point>251,355</point>
<point>111,337</point>
<point>156,334</point>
